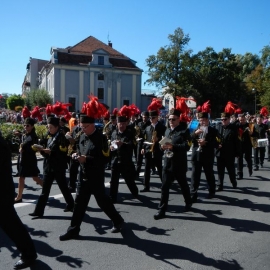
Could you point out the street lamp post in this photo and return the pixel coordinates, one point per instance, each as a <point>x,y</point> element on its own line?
<point>254,90</point>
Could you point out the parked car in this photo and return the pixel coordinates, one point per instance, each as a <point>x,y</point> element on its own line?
<point>215,121</point>
<point>99,124</point>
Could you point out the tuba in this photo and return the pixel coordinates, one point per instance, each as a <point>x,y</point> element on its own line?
<point>254,140</point>
<point>154,138</point>
<point>106,130</point>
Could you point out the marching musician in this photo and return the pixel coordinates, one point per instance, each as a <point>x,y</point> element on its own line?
<point>108,129</point>
<point>91,154</point>
<point>228,149</point>
<point>54,167</point>
<point>246,134</point>
<point>268,136</point>
<point>28,159</point>
<point>121,156</point>
<point>259,152</point>
<point>175,162</point>
<point>152,152</point>
<point>203,155</point>
<point>140,133</point>
<point>73,138</point>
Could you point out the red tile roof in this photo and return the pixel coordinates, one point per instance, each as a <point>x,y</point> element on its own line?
<point>90,44</point>
<point>81,54</point>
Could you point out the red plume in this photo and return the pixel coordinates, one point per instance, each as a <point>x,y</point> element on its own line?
<point>25,112</point>
<point>199,108</point>
<point>134,109</point>
<point>60,108</point>
<point>49,109</point>
<point>155,105</point>
<point>36,113</point>
<point>125,111</point>
<point>181,105</point>
<point>106,115</point>
<point>206,107</point>
<point>94,108</point>
<point>264,111</point>
<point>68,116</point>
<point>230,108</point>
<point>115,111</point>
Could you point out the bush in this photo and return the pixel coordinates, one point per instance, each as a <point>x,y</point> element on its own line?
<point>7,130</point>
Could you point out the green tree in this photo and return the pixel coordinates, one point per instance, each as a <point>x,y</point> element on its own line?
<point>215,75</point>
<point>37,97</point>
<point>14,101</point>
<point>165,68</point>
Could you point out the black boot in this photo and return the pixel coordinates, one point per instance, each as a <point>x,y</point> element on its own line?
<point>239,175</point>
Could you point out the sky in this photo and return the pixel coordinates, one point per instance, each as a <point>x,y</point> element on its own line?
<point>137,29</point>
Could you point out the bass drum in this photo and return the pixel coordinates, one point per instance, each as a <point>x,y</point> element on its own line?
<point>193,125</point>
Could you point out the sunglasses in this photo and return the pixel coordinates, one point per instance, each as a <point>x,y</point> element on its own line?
<point>172,119</point>
<point>224,119</point>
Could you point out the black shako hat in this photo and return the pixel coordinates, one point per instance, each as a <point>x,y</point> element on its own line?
<point>29,121</point>
<point>153,113</point>
<point>175,112</point>
<point>122,119</point>
<point>53,121</point>
<point>145,113</point>
<point>86,119</point>
<point>224,114</point>
<point>203,115</point>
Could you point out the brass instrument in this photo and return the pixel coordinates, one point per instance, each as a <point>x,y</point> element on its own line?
<point>106,131</point>
<point>71,146</point>
<point>254,140</point>
<point>154,139</point>
<point>137,132</point>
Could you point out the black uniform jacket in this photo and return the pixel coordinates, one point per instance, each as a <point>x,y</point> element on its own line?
<point>181,141</point>
<point>160,131</point>
<point>261,130</point>
<point>228,137</point>
<point>7,189</point>
<point>56,161</point>
<point>91,146</point>
<point>124,153</point>
<point>207,152</point>
<point>244,136</point>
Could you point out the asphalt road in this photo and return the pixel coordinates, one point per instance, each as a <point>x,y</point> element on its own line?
<point>230,231</point>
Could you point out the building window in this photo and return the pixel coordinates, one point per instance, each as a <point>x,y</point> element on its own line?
<point>72,101</point>
<point>126,102</point>
<point>100,93</point>
<point>100,77</point>
<point>101,60</point>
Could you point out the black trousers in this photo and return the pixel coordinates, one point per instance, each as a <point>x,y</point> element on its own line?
<point>16,231</point>
<point>228,163</point>
<point>167,180</point>
<point>139,158</point>
<point>247,155</point>
<point>127,171</point>
<point>73,173</point>
<point>48,179</point>
<point>84,192</point>
<point>259,155</point>
<point>207,166</point>
<point>150,162</point>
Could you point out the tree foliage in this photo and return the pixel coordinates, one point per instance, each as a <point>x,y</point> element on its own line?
<point>165,68</point>
<point>14,100</point>
<point>209,75</point>
<point>37,97</point>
